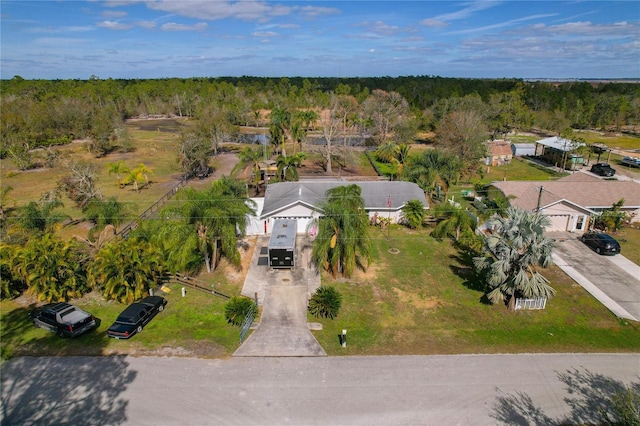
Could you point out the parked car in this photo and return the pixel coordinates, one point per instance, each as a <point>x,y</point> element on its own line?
<point>133,319</point>
<point>602,243</point>
<point>63,319</point>
<point>603,169</point>
<point>630,161</point>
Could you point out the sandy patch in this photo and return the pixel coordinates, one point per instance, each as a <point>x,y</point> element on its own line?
<point>416,301</point>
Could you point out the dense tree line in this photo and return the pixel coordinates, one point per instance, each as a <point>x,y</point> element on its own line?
<point>44,112</point>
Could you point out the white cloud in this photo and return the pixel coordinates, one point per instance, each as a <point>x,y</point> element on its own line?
<point>146,24</point>
<point>59,30</point>
<point>172,26</point>
<point>264,34</point>
<point>313,11</point>
<point>433,23</point>
<point>464,13</point>
<point>215,10</point>
<point>113,25</point>
<point>379,28</point>
<point>114,14</point>
<point>502,24</point>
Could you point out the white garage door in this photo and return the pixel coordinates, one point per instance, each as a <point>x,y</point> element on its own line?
<point>559,222</point>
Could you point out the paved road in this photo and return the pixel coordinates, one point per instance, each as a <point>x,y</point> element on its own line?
<point>613,280</point>
<point>425,390</point>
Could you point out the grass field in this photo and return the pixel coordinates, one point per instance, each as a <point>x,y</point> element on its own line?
<point>612,140</point>
<point>629,239</point>
<point>420,298</point>
<point>424,300</point>
<point>191,326</point>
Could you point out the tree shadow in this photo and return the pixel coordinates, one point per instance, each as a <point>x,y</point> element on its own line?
<point>473,279</point>
<point>589,399</point>
<point>519,409</point>
<point>67,390</point>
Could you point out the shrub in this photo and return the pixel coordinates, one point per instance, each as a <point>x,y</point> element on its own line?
<point>325,302</point>
<point>237,308</point>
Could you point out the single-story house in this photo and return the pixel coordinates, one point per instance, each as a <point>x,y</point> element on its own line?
<point>523,149</point>
<point>302,200</point>
<point>560,152</point>
<point>570,201</point>
<point>498,153</point>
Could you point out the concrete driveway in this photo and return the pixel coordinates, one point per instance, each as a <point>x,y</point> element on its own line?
<point>613,280</point>
<point>283,295</point>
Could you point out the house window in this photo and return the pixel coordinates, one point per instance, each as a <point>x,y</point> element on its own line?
<point>580,223</point>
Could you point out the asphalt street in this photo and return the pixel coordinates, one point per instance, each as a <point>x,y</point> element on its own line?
<point>409,390</point>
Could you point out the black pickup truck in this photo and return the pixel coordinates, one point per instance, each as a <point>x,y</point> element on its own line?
<point>63,319</point>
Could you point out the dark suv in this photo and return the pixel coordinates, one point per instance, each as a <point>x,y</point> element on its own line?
<point>603,169</point>
<point>63,319</point>
<point>601,243</point>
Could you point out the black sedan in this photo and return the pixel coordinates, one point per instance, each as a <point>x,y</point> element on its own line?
<point>602,243</point>
<point>136,316</point>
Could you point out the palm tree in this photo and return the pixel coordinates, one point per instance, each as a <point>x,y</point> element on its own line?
<point>513,251</point>
<point>237,308</point>
<point>4,199</point>
<point>343,242</point>
<point>217,216</point>
<point>54,270</point>
<point>455,222</point>
<point>387,152</point>
<point>430,168</point>
<point>40,216</point>
<point>125,269</point>
<point>11,284</point>
<point>254,157</point>
<point>325,302</point>
<point>107,211</point>
<point>402,154</point>
<point>300,126</point>
<point>138,174</point>
<point>288,166</point>
<point>413,212</point>
<point>280,127</point>
<point>119,168</point>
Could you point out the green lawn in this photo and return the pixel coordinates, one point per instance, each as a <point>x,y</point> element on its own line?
<point>612,140</point>
<point>518,169</point>
<point>424,300</point>
<point>194,325</point>
<point>418,299</point>
<point>629,239</point>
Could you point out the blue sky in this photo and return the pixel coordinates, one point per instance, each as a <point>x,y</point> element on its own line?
<point>211,38</point>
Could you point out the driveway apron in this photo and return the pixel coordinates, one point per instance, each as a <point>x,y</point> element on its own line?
<point>613,280</point>
<point>283,294</point>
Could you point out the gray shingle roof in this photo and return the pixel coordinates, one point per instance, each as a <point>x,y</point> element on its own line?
<point>376,194</point>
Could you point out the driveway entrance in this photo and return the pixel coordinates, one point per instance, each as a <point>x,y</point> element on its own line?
<point>613,280</point>
<point>283,294</point>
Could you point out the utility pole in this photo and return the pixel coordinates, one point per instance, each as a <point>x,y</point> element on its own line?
<point>539,198</point>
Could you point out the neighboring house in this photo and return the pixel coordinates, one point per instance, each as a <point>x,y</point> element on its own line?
<point>569,202</point>
<point>523,149</point>
<point>302,200</point>
<point>560,152</point>
<point>498,153</point>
